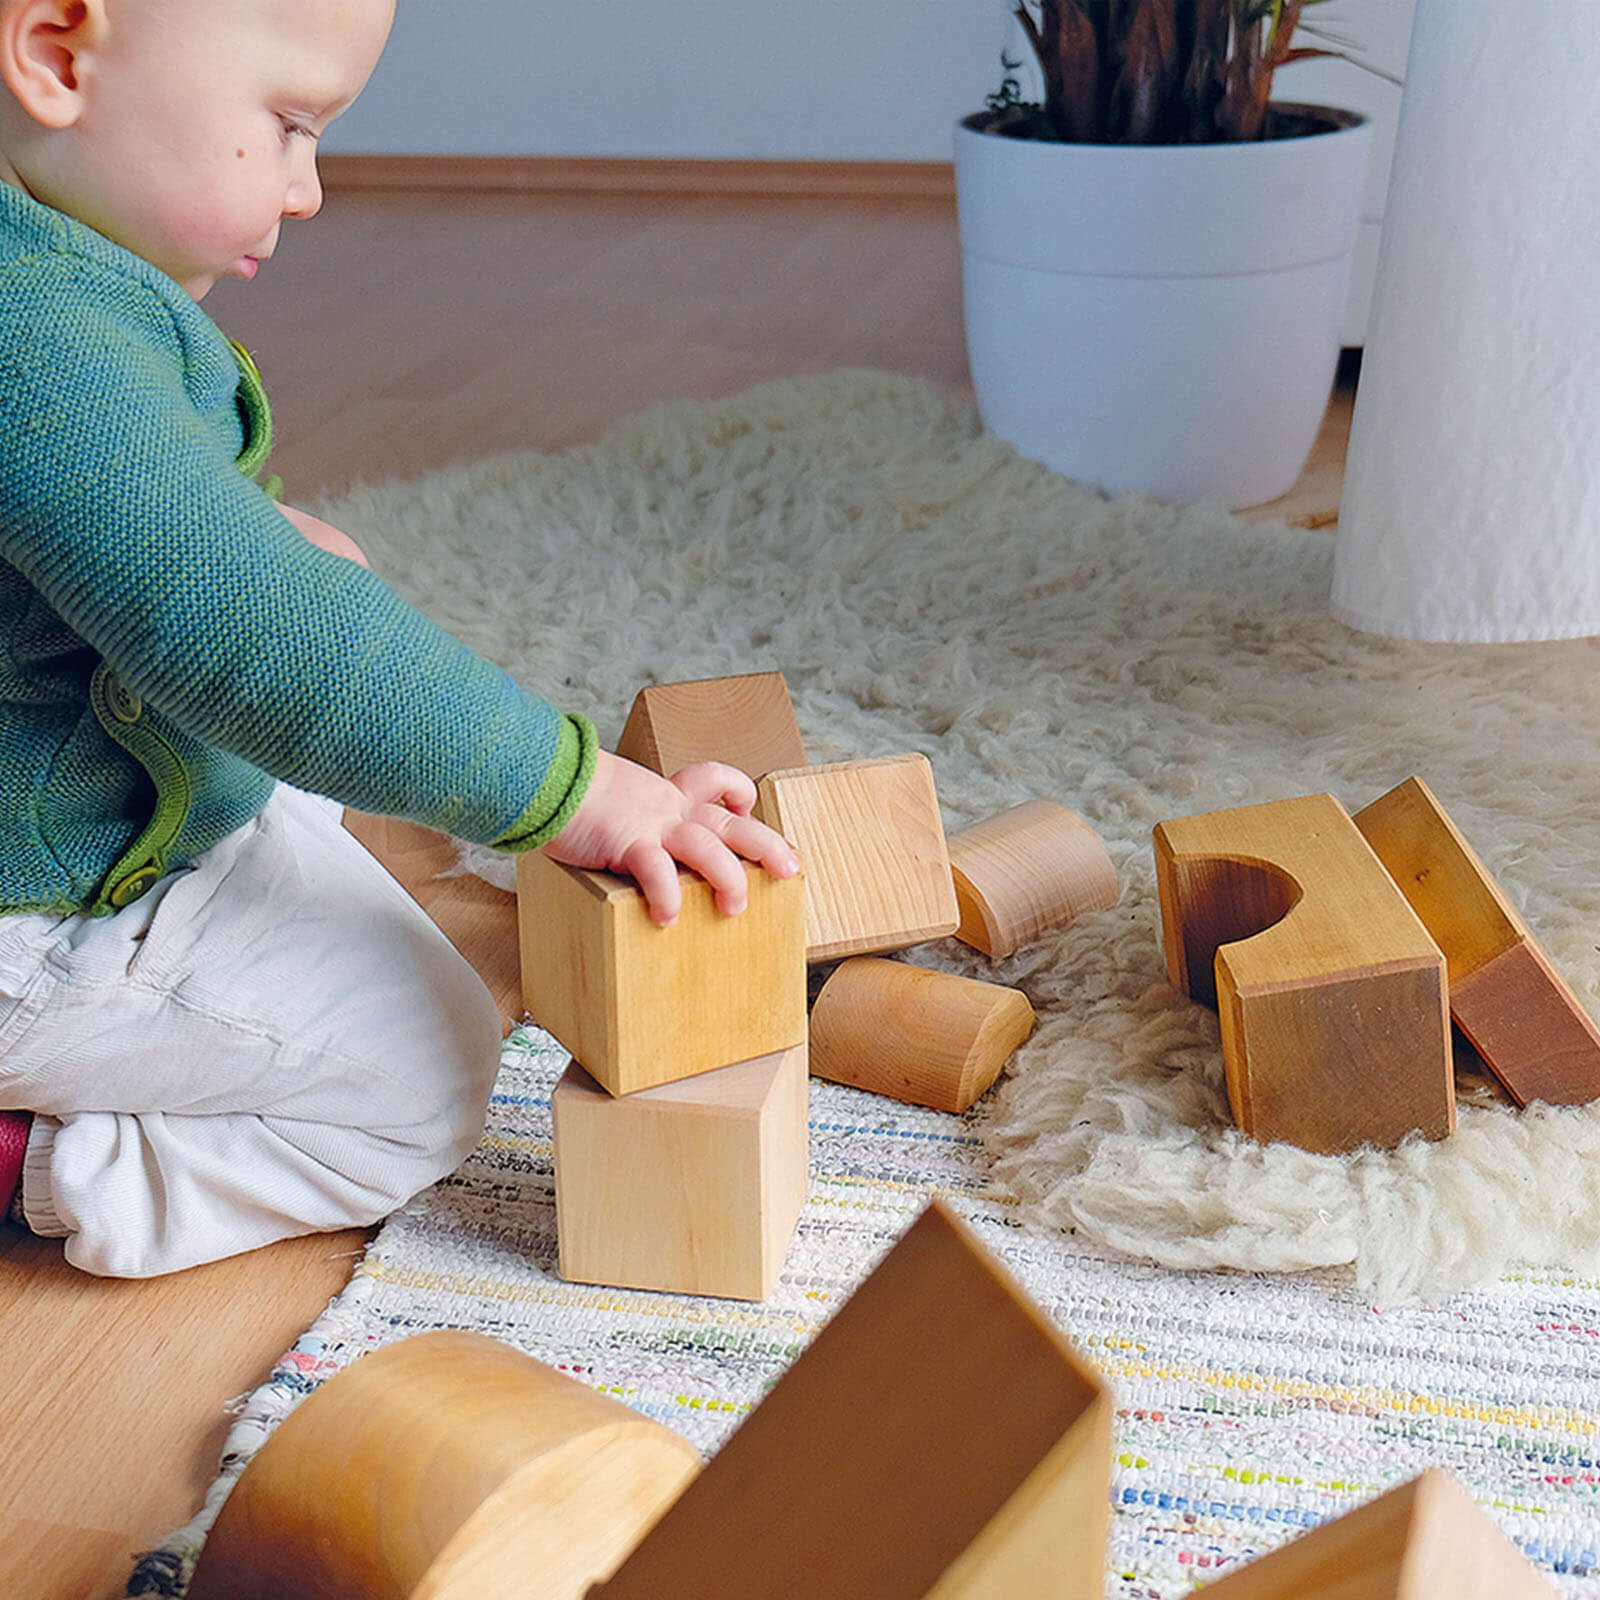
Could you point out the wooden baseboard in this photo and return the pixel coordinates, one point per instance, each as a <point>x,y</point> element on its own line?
<point>908,180</point>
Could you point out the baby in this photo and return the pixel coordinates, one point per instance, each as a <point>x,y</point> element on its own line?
<point>221,1022</point>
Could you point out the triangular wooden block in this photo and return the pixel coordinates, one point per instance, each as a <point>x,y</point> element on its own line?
<point>746,721</point>
<point>940,1440</point>
<point>1504,993</point>
<point>1425,1540</point>
<point>871,842</point>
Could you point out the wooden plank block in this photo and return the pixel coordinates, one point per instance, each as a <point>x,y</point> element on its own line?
<point>1505,994</point>
<point>445,1467</point>
<point>1035,867</point>
<point>929,1038</point>
<point>693,1188</point>
<point>939,1440</point>
<point>871,843</point>
<point>1425,1540</point>
<point>639,1004</point>
<point>1335,1027</point>
<point>746,721</point>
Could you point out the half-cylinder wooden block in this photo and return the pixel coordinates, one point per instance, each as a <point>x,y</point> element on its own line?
<point>747,721</point>
<point>445,1467</point>
<point>641,1005</point>
<point>939,1440</point>
<point>929,1038</point>
<point>1505,994</point>
<point>1335,1023</point>
<point>694,1187</point>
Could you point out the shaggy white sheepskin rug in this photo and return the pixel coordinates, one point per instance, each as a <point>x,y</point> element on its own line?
<point>923,588</point>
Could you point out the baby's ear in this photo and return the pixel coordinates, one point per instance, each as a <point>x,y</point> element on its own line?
<point>43,45</point>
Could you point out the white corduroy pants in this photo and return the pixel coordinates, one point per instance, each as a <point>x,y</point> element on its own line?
<point>274,1041</point>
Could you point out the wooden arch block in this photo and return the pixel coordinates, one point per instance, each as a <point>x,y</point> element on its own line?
<point>930,1038</point>
<point>693,1188</point>
<point>871,842</point>
<point>1504,993</point>
<point>939,1440</point>
<point>1335,1025</point>
<point>747,721</point>
<point>1426,1540</point>
<point>641,1005</point>
<point>445,1467</point>
<point>1035,867</point>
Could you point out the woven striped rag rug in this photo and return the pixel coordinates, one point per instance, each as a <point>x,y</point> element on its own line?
<point>1286,1334</point>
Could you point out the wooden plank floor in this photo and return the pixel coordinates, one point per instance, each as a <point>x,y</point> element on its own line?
<point>399,333</point>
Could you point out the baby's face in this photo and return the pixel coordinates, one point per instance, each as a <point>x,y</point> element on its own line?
<point>200,124</point>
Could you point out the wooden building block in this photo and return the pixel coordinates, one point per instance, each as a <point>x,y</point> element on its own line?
<point>1504,993</point>
<point>693,1188</point>
<point>1426,1540</point>
<point>1335,1026</point>
<point>871,842</point>
<point>930,1038</point>
<point>747,721</point>
<point>1035,867</point>
<point>445,1467</point>
<point>939,1440</point>
<point>640,1004</point>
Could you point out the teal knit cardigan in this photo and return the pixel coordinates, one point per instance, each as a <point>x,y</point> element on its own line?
<point>169,643</point>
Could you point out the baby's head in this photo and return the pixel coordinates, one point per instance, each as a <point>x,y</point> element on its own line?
<point>185,130</point>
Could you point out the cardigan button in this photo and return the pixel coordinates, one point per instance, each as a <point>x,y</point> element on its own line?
<point>121,701</point>
<point>134,886</point>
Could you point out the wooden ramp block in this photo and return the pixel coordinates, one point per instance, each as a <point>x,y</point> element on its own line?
<point>445,1467</point>
<point>929,1038</point>
<point>939,1440</point>
<point>1504,993</point>
<point>1425,1540</point>
<point>747,721</point>
<point>870,840</point>
<point>1035,867</point>
<point>694,1188</point>
<point>1335,1027</point>
<point>641,1005</point>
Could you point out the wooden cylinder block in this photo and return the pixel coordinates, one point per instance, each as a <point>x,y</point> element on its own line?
<point>929,1038</point>
<point>446,1467</point>
<point>1035,867</point>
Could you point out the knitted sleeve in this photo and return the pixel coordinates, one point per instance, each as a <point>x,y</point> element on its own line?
<point>121,505</point>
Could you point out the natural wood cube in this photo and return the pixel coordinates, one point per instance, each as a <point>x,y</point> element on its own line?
<point>1335,1025</point>
<point>694,1188</point>
<point>641,1005</point>
<point>747,721</point>
<point>869,836</point>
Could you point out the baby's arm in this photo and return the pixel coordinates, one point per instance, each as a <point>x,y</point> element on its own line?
<point>325,536</point>
<point>630,820</point>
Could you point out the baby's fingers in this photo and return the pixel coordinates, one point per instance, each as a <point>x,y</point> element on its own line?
<point>755,841</point>
<point>653,869</point>
<point>698,847</point>
<point>716,783</point>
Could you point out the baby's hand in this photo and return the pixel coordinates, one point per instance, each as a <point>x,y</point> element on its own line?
<point>325,535</point>
<point>636,822</point>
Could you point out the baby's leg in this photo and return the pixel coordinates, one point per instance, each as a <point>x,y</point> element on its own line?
<point>275,1041</point>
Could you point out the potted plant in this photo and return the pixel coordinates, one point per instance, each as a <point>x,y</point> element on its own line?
<point>1156,255</point>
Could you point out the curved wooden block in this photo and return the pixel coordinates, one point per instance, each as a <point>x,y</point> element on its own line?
<point>929,1038</point>
<point>747,721</point>
<point>1035,867</point>
<point>446,1467</point>
<point>1335,1027</point>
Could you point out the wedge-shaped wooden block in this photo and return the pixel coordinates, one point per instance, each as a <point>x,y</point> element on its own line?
<point>445,1467</point>
<point>1425,1540</point>
<point>939,1440</point>
<point>871,843</point>
<point>930,1038</point>
<point>1335,1026</point>
<point>1504,993</point>
<point>1035,867</point>
<point>639,1004</point>
<point>693,1188</point>
<point>747,721</point>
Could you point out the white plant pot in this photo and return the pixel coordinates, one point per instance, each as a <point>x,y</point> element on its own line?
<point>1160,318</point>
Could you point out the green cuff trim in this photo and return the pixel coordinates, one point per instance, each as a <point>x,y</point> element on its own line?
<point>256,415</point>
<point>565,784</point>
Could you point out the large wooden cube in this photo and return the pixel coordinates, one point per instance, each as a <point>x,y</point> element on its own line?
<point>641,1005</point>
<point>694,1188</point>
